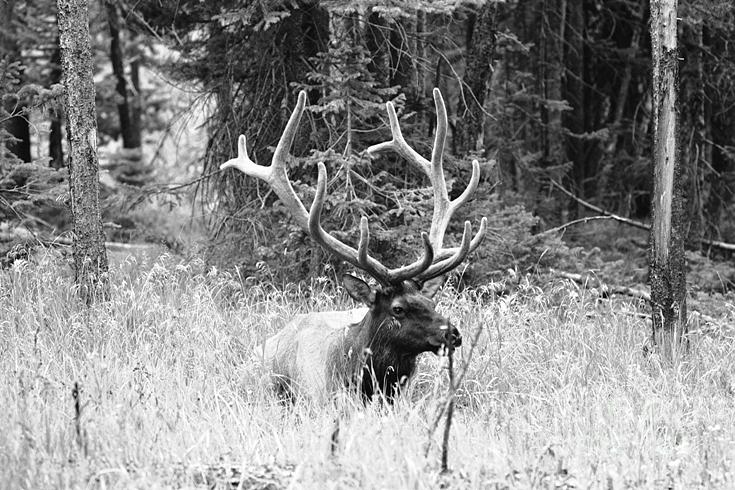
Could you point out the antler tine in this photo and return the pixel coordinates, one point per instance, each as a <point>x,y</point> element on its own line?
<point>445,266</point>
<point>275,174</point>
<point>400,274</point>
<point>437,153</point>
<point>244,164</point>
<point>476,241</point>
<point>289,133</point>
<point>399,145</point>
<point>444,208</point>
<point>360,257</point>
<point>362,248</point>
<point>413,270</point>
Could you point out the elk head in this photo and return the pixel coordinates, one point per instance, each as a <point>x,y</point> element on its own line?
<point>405,315</point>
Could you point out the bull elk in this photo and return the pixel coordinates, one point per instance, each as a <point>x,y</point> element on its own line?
<point>373,348</point>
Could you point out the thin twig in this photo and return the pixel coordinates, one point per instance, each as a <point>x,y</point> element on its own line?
<point>588,280</point>
<point>175,187</point>
<point>575,222</point>
<point>730,247</point>
<point>453,386</point>
<point>597,209</point>
<point>450,410</point>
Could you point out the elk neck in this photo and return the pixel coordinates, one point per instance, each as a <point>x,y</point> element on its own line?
<point>369,350</point>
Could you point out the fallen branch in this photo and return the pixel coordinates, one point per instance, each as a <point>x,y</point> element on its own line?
<point>111,246</point>
<point>575,222</point>
<point>711,325</point>
<point>588,280</point>
<point>23,239</point>
<point>597,209</point>
<point>717,244</point>
<point>730,247</point>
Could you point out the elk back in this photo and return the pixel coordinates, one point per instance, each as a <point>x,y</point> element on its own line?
<point>302,356</point>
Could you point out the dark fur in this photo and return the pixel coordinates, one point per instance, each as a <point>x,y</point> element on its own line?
<point>379,353</point>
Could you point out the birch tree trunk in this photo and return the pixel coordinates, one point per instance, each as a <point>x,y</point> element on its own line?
<point>666,254</point>
<point>90,257</point>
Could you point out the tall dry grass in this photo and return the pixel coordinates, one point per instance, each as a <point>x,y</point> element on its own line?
<point>171,392</point>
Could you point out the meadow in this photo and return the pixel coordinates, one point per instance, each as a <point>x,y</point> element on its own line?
<point>162,387</point>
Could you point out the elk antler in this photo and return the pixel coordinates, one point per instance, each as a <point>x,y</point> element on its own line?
<point>277,178</point>
<point>444,208</point>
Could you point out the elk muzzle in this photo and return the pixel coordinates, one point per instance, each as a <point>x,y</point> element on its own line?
<point>454,337</point>
<point>451,335</point>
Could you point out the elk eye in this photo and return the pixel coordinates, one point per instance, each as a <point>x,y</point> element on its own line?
<point>397,310</point>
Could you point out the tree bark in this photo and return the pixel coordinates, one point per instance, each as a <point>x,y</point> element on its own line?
<point>90,257</point>
<point>468,132</point>
<point>130,133</point>
<point>666,255</point>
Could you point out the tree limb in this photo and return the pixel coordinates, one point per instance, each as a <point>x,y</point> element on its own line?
<point>730,247</point>
<point>588,280</point>
<point>599,210</point>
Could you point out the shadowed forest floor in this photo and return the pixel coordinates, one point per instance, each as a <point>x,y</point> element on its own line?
<point>170,392</point>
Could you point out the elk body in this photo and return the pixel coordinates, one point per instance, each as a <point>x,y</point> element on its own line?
<point>373,348</point>
<point>320,353</point>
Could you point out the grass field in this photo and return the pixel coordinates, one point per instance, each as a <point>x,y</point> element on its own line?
<point>557,394</point>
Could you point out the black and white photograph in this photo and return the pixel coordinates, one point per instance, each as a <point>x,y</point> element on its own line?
<point>370,244</point>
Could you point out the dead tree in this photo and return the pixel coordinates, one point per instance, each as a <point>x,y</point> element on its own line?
<point>666,254</point>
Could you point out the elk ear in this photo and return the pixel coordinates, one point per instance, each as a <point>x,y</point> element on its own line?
<point>358,289</point>
<point>432,286</point>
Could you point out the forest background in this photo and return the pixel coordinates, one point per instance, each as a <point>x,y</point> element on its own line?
<point>552,97</point>
<point>160,383</point>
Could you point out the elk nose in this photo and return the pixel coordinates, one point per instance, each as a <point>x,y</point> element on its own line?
<point>455,337</point>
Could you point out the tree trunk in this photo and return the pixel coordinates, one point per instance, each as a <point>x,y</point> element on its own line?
<point>55,148</point>
<point>19,129</point>
<point>693,128</point>
<point>378,44</point>
<point>480,51</point>
<point>403,59</point>
<point>719,126</point>
<point>90,257</point>
<point>553,27</point>
<point>610,171</point>
<point>422,95</point>
<point>666,255</point>
<point>723,166</point>
<point>136,102</point>
<point>130,137</point>
<point>576,93</point>
<point>16,126</point>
